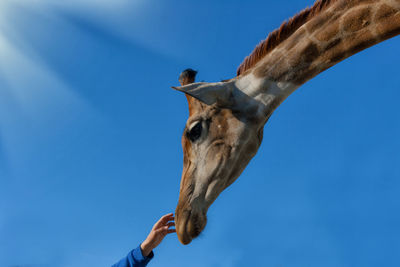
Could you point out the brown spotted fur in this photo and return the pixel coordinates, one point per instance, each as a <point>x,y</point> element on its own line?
<point>321,36</point>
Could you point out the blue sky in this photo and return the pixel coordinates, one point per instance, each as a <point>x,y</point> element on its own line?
<point>90,153</point>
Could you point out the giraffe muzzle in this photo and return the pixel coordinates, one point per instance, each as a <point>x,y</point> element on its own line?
<point>189,225</point>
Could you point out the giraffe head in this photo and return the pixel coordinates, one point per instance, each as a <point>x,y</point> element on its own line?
<point>222,134</point>
<point>225,126</point>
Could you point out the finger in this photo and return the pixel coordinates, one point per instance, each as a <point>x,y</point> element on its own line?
<point>162,231</point>
<point>169,231</point>
<point>172,218</point>
<point>169,224</point>
<point>164,219</point>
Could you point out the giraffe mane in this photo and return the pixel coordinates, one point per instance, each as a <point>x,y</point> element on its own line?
<point>282,33</point>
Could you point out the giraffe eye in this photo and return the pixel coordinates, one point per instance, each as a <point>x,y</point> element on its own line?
<point>195,132</point>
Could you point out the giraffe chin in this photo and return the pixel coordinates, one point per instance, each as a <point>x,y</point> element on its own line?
<point>189,225</point>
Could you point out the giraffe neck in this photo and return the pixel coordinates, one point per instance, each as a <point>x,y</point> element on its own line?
<point>342,30</point>
<point>265,93</point>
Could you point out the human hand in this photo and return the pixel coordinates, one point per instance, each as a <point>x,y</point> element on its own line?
<point>157,233</point>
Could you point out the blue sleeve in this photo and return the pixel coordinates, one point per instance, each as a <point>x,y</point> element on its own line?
<point>135,258</point>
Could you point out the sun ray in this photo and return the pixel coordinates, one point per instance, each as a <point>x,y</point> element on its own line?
<point>33,99</point>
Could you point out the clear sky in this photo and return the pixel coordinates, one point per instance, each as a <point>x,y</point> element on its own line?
<point>90,153</point>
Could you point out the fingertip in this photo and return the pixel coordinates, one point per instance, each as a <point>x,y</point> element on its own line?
<point>170,231</point>
<point>168,215</point>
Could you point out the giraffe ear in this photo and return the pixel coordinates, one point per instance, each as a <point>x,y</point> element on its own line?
<point>209,93</point>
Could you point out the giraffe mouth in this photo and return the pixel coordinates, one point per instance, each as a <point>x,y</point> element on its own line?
<point>189,225</point>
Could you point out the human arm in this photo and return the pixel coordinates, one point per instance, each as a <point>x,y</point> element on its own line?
<point>157,233</point>
<point>141,256</point>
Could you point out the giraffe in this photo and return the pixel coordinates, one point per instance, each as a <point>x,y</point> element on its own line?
<point>226,119</point>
